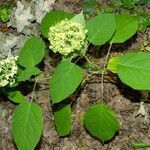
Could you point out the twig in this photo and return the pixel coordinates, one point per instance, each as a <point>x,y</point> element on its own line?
<point>103,71</point>
<point>33,92</point>
<point>90,62</point>
<point>39,79</point>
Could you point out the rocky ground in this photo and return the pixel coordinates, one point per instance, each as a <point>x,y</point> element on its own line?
<point>122,99</point>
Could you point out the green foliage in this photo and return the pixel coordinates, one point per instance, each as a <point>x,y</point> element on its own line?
<point>27,73</point>
<point>32,53</point>
<point>128,4</point>
<point>101,122</point>
<point>133,69</point>
<point>16,96</point>
<point>51,19</point>
<point>90,6</point>
<point>5,10</point>
<point>132,7</point>
<point>126,27</point>
<point>62,118</point>
<point>27,124</point>
<point>101,28</point>
<point>4,14</point>
<point>145,2</point>
<point>144,22</point>
<point>65,79</point>
<point>138,145</point>
<point>114,4</point>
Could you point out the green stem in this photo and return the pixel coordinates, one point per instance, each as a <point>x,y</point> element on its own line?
<point>90,62</point>
<point>140,145</point>
<point>86,78</point>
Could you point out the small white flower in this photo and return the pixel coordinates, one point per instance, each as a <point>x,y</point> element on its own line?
<point>8,70</point>
<point>67,37</point>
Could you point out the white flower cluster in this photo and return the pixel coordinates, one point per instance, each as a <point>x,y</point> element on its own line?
<point>66,37</point>
<point>8,69</point>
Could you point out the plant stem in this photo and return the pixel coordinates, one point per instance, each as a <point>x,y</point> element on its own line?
<point>33,91</point>
<point>39,79</point>
<point>86,78</point>
<point>89,61</point>
<point>140,145</point>
<point>103,71</point>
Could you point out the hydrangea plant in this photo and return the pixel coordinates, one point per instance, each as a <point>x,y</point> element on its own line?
<point>69,37</point>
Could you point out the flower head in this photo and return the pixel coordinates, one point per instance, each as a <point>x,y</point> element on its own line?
<point>8,69</point>
<point>67,37</point>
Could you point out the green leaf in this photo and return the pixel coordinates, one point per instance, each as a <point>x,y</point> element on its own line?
<point>101,122</point>
<point>63,119</point>
<point>126,27</point>
<point>112,64</point>
<point>51,19</point>
<point>16,96</point>
<point>27,124</point>
<point>64,81</point>
<point>134,70</point>
<point>32,53</point>
<point>79,18</point>
<point>27,73</point>
<point>101,28</point>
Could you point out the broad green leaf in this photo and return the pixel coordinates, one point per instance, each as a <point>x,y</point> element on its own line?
<point>126,27</point>
<point>32,53</point>
<point>101,28</point>
<point>79,18</point>
<point>64,81</point>
<point>62,118</point>
<point>134,70</point>
<point>27,124</point>
<point>16,96</point>
<point>27,73</point>
<point>51,19</point>
<point>112,64</point>
<point>101,122</point>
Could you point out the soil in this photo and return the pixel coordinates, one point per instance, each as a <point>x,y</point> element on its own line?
<point>120,98</point>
